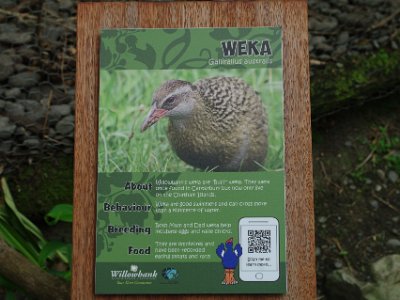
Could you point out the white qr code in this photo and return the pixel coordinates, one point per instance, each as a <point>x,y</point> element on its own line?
<point>259,241</point>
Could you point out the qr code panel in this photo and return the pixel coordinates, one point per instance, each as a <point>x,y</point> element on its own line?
<point>259,241</point>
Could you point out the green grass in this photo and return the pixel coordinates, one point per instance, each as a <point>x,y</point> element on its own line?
<point>387,148</point>
<point>125,99</point>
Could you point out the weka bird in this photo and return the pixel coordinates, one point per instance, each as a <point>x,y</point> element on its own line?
<point>215,123</point>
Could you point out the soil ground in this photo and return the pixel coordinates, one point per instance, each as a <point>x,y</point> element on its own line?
<point>356,159</point>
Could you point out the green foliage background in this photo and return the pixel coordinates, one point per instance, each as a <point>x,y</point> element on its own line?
<point>125,99</point>
<point>172,49</point>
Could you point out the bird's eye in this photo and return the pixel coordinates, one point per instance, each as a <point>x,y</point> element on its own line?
<point>169,100</point>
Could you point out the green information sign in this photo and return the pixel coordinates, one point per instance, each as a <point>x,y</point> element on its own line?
<point>191,181</point>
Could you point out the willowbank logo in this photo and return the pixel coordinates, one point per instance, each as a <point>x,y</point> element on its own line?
<point>133,273</point>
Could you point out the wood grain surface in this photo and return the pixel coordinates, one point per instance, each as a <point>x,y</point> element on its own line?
<point>292,17</point>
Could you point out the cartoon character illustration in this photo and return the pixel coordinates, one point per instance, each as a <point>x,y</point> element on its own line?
<point>230,259</point>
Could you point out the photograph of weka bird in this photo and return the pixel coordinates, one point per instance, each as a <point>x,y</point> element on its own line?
<point>216,123</point>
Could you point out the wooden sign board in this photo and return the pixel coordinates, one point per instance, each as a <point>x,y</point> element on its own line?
<point>291,17</point>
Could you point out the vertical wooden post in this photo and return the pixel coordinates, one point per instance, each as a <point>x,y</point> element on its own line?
<point>292,17</point>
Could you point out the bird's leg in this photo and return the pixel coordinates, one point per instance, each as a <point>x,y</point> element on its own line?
<point>234,281</point>
<point>230,276</point>
<point>226,278</point>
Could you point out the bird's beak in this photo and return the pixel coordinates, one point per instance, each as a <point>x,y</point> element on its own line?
<point>152,117</point>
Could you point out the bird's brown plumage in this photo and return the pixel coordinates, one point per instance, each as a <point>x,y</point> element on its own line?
<point>215,123</point>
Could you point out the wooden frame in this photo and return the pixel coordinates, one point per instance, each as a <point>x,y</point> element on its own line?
<point>292,17</point>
